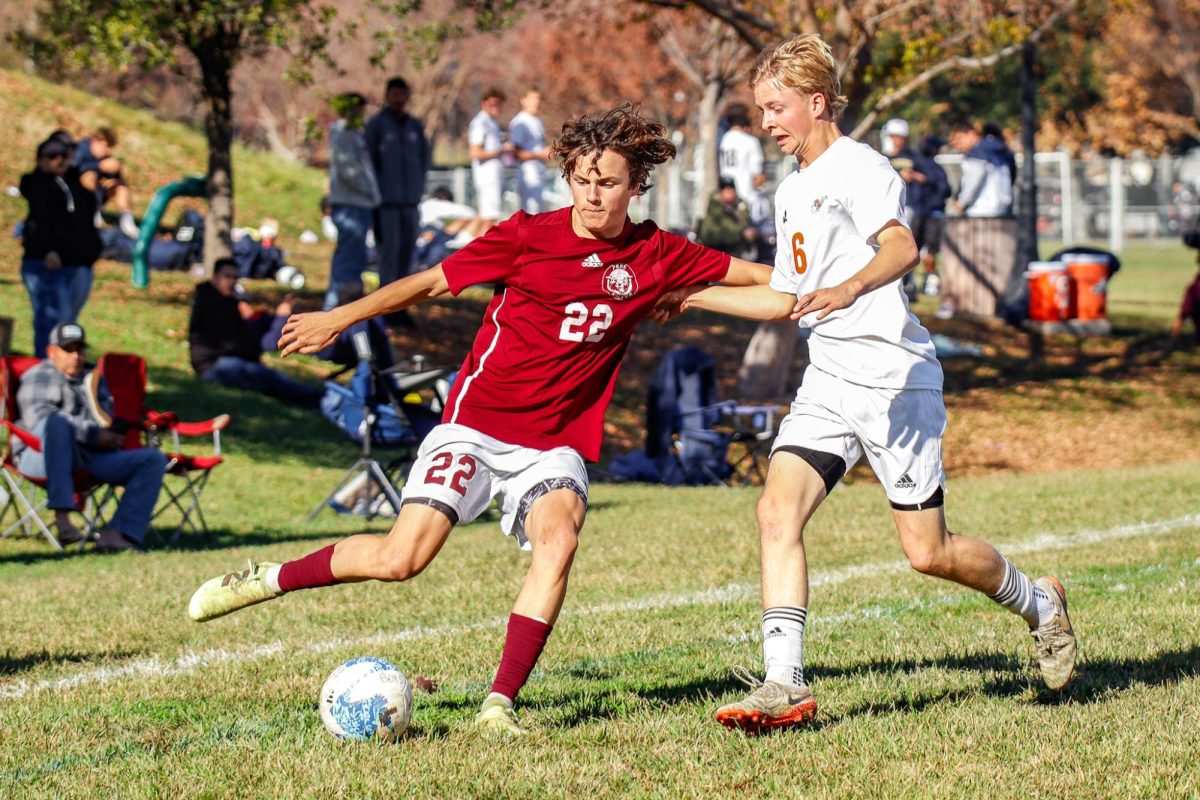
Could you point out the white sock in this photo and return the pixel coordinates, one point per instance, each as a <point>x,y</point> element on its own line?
<point>272,578</point>
<point>506,700</point>
<point>783,644</point>
<point>1021,596</point>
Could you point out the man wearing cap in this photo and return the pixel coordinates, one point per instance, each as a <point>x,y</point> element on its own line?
<point>726,225</point>
<point>59,240</point>
<point>70,411</point>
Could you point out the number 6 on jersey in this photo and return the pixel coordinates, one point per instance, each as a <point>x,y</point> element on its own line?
<point>578,317</point>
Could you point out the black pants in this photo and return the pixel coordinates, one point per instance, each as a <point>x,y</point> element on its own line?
<point>395,236</point>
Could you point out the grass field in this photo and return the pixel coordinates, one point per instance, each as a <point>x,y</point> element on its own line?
<point>1082,463</point>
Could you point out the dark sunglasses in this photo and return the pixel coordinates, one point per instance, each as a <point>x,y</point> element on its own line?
<point>77,347</point>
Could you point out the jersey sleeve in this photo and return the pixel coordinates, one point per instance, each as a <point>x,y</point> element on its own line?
<point>476,132</point>
<point>687,263</point>
<point>492,258</point>
<point>877,199</point>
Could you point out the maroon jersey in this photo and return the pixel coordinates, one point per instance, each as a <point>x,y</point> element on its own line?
<point>543,366</point>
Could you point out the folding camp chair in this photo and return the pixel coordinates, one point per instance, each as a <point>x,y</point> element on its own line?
<point>187,475</point>
<point>373,410</point>
<point>25,495</point>
<point>691,430</point>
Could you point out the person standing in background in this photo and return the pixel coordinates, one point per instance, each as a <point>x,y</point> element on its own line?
<point>485,138</point>
<point>528,136</point>
<point>401,157</point>
<point>741,154</point>
<point>353,195</point>
<point>59,239</point>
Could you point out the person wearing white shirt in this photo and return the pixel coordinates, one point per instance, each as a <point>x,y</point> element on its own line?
<point>528,136</point>
<point>485,138</point>
<point>873,388</point>
<point>740,152</point>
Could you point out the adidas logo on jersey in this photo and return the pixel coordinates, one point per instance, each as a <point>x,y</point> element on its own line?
<point>906,482</point>
<point>592,262</point>
<point>785,216</point>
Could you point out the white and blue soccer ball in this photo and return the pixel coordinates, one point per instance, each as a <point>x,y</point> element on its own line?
<point>366,698</point>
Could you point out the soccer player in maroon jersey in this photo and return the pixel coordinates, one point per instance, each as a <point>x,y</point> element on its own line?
<point>528,406</point>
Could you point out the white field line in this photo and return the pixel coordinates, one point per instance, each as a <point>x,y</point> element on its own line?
<point>192,661</point>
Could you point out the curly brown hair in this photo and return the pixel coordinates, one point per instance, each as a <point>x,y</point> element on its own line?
<point>625,130</point>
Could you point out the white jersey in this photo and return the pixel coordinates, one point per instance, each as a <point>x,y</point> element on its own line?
<point>485,131</point>
<point>741,158</point>
<point>528,133</point>
<point>827,215</point>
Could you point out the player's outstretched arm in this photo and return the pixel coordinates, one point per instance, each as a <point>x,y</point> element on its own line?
<point>759,302</point>
<point>746,273</point>
<point>310,333</point>
<point>897,254</point>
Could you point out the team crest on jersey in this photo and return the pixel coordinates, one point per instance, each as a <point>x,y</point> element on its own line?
<point>816,206</point>
<point>620,282</point>
<point>592,262</point>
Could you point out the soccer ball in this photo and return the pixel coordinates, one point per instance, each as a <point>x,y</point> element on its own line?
<point>366,698</point>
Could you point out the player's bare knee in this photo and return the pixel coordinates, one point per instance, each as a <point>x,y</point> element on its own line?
<point>557,545</point>
<point>399,565</point>
<point>774,522</point>
<point>928,560</point>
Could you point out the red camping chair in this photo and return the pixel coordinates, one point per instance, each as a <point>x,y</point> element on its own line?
<point>26,494</point>
<point>187,475</point>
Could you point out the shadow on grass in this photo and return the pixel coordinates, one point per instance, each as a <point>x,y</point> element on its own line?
<point>11,664</point>
<point>1096,681</point>
<point>261,427</point>
<point>217,539</point>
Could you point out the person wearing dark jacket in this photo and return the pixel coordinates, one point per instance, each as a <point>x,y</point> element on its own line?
<point>225,344</point>
<point>400,154</point>
<point>60,241</point>
<point>929,209</point>
<point>726,225</point>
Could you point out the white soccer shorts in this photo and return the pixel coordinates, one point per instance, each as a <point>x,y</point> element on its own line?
<point>462,469</point>
<point>899,430</point>
<point>488,192</point>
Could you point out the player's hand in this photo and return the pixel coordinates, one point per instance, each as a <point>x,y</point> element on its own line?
<point>52,260</point>
<point>286,305</point>
<point>824,301</point>
<point>671,305</point>
<point>308,333</point>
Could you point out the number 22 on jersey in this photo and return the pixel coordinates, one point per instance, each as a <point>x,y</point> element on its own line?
<point>798,257</point>
<point>583,324</point>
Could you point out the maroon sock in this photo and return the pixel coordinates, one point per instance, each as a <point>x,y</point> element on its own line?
<point>314,570</point>
<point>522,647</point>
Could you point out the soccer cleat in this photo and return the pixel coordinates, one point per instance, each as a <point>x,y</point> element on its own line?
<point>770,705</point>
<point>497,718</point>
<point>234,590</point>
<point>1056,639</point>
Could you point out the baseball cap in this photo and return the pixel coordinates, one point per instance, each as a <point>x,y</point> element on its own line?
<point>895,127</point>
<point>67,333</point>
<point>726,182</point>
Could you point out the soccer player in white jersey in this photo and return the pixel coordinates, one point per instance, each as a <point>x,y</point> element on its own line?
<point>874,385</point>
<point>528,135</point>
<point>528,406</point>
<point>740,153</point>
<point>485,140</point>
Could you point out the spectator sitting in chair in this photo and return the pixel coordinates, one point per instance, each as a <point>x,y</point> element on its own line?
<point>70,412</point>
<point>225,340</point>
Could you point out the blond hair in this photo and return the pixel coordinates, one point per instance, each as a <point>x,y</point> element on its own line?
<point>804,64</point>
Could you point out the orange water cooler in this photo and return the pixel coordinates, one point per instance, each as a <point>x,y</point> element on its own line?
<point>1049,291</point>
<point>1089,285</point>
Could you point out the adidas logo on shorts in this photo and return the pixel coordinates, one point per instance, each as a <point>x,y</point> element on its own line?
<point>906,482</point>
<point>592,262</point>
